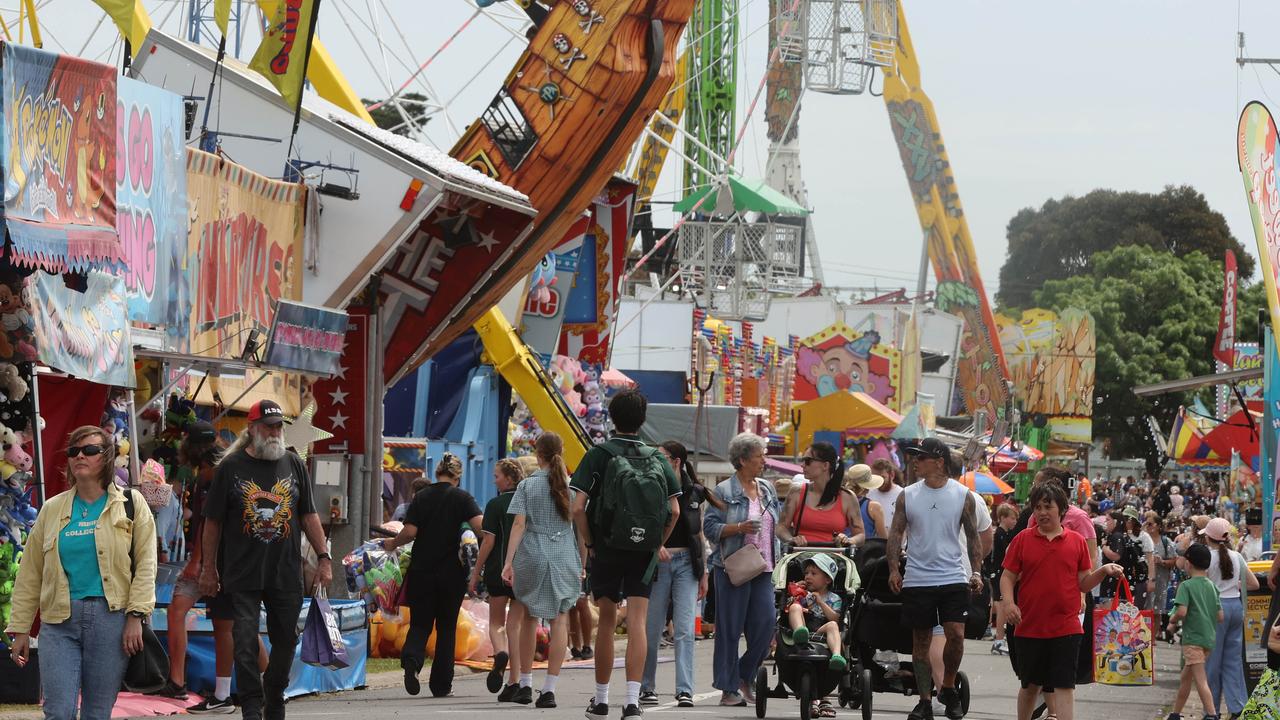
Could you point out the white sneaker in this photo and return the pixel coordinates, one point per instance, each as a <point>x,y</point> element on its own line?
<point>938,708</point>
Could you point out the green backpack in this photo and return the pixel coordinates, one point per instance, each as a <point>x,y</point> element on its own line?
<point>632,508</point>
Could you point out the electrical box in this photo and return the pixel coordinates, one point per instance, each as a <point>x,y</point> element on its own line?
<point>329,475</point>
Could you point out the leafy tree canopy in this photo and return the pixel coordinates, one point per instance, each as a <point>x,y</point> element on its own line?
<point>388,117</point>
<point>1061,238</point>
<point>1155,316</point>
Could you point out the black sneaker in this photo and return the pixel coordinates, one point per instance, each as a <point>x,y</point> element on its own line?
<point>632,711</point>
<point>587,653</point>
<point>546,700</point>
<point>950,699</point>
<point>213,706</point>
<point>494,681</point>
<point>597,711</point>
<point>648,697</point>
<point>508,693</point>
<point>684,700</point>
<point>575,653</point>
<point>524,696</point>
<point>411,684</point>
<point>171,690</point>
<point>922,711</point>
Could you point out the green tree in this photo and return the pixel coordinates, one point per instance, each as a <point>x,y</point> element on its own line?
<point>388,117</point>
<point>1250,301</point>
<point>1155,316</point>
<point>1059,240</point>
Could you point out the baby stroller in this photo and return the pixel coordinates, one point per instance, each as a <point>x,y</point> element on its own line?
<point>802,670</point>
<point>875,624</point>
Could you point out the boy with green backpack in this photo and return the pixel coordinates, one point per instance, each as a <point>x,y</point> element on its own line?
<point>626,506</point>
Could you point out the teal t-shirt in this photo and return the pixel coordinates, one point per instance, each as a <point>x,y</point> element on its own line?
<point>78,549</point>
<point>1200,597</point>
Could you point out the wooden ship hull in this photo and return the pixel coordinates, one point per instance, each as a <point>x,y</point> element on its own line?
<point>565,118</point>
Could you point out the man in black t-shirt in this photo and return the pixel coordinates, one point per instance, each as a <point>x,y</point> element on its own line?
<point>618,574</point>
<point>436,580</point>
<point>258,507</point>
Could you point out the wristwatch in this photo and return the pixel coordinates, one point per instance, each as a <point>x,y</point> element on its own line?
<point>136,614</point>
<point>324,556</point>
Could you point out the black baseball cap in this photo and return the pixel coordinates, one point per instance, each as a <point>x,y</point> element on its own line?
<point>267,412</point>
<point>1199,557</point>
<point>201,431</point>
<point>929,448</point>
<point>1253,516</point>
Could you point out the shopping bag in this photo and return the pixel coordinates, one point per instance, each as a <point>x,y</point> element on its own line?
<point>322,644</point>
<point>1264,703</point>
<point>1123,653</point>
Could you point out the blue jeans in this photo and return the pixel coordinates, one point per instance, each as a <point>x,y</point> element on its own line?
<point>676,586</point>
<point>746,609</point>
<point>1226,663</point>
<point>91,639</point>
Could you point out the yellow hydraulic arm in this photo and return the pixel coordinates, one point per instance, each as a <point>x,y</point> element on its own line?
<point>981,370</point>
<point>508,354</point>
<point>322,71</point>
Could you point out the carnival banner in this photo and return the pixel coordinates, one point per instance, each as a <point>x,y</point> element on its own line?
<point>244,248</point>
<point>1270,432</point>
<point>1256,145</point>
<point>1053,366</point>
<point>306,338</point>
<point>59,163</point>
<point>340,400</point>
<point>1224,343</point>
<point>550,287</point>
<point>151,205</point>
<point>83,333</point>
<point>593,303</point>
<point>1245,356</point>
<point>841,359</point>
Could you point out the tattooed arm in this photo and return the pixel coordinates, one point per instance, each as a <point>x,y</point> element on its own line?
<point>969,524</point>
<point>894,549</point>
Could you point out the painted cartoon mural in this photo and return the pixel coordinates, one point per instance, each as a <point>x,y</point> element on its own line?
<point>840,358</point>
<point>1052,365</point>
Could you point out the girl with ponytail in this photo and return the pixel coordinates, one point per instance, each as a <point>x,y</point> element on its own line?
<point>819,509</point>
<point>1230,573</point>
<point>544,563</point>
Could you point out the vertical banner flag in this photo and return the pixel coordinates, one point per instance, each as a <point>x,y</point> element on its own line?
<point>1256,145</point>
<point>222,15</point>
<point>151,205</point>
<point>281,58</point>
<point>1224,344</point>
<point>1270,431</point>
<point>245,246</point>
<point>59,160</point>
<point>85,334</point>
<point>592,304</point>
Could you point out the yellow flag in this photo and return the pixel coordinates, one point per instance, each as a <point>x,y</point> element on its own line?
<point>281,57</point>
<point>222,14</point>
<point>121,13</point>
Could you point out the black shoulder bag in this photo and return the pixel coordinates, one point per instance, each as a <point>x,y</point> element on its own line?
<point>148,670</point>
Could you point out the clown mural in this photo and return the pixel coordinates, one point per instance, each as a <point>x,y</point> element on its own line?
<point>840,359</point>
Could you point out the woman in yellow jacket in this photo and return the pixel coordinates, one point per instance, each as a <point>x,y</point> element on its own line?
<point>77,570</point>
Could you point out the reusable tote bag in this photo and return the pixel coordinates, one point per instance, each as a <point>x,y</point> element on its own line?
<point>322,644</point>
<point>1264,701</point>
<point>1123,653</point>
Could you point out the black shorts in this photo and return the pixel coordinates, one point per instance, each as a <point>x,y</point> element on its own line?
<point>497,588</point>
<point>620,574</point>
<point>1049,663</point>
<point>924,608</point>
<point>218,607</point>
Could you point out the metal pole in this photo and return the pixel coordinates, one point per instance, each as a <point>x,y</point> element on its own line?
<point>922,278</point>
<point>135,462</point>
<point>37,443</point>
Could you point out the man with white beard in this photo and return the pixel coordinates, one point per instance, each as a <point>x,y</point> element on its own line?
<point>258,507</point>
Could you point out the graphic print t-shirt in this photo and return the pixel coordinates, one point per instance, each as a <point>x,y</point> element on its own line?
<point>260,504</point>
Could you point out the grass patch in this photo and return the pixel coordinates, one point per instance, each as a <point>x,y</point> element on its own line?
<point>381,665</point>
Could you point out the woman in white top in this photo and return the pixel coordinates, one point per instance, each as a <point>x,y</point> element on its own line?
<point>1230,573</point>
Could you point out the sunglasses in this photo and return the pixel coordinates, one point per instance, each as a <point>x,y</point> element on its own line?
<point>88,450</point>
<point>806,460</point>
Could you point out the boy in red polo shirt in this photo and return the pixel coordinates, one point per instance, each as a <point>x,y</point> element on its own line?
<point>1050,565</point>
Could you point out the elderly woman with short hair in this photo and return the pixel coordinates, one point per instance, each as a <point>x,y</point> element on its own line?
<point>746,526</point>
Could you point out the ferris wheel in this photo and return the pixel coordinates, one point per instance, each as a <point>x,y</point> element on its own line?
<point>409,70</point>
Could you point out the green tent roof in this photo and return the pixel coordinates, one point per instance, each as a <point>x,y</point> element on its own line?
<point>748,196</point>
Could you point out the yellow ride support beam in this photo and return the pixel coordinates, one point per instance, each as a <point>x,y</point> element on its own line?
<point>507,353</point>
<point>322,70</point>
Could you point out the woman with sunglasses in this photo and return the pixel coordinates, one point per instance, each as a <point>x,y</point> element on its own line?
<point>820,509</point>
<point>90,571</point>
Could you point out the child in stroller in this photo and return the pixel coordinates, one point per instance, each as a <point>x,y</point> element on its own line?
<point>812,608</point>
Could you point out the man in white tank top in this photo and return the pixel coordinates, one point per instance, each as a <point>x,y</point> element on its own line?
<point>929,515</point>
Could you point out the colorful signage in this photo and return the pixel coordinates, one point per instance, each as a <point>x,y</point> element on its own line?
<point>83,333</point>
<point>593,301</point>
<point>1256,145</point>
<point>841,359</point>
<point>151,205</point>
<point>59,159</point>
<point>1223,344</point>
<point>306,338</point>
<point>552,281</point>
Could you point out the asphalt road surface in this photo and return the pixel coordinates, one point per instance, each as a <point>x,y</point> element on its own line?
<point>993,698</point>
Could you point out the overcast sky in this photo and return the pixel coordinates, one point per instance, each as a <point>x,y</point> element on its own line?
<point>1036,100</point>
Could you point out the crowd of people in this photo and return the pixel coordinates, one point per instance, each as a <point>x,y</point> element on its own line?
<point>634,535</point>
